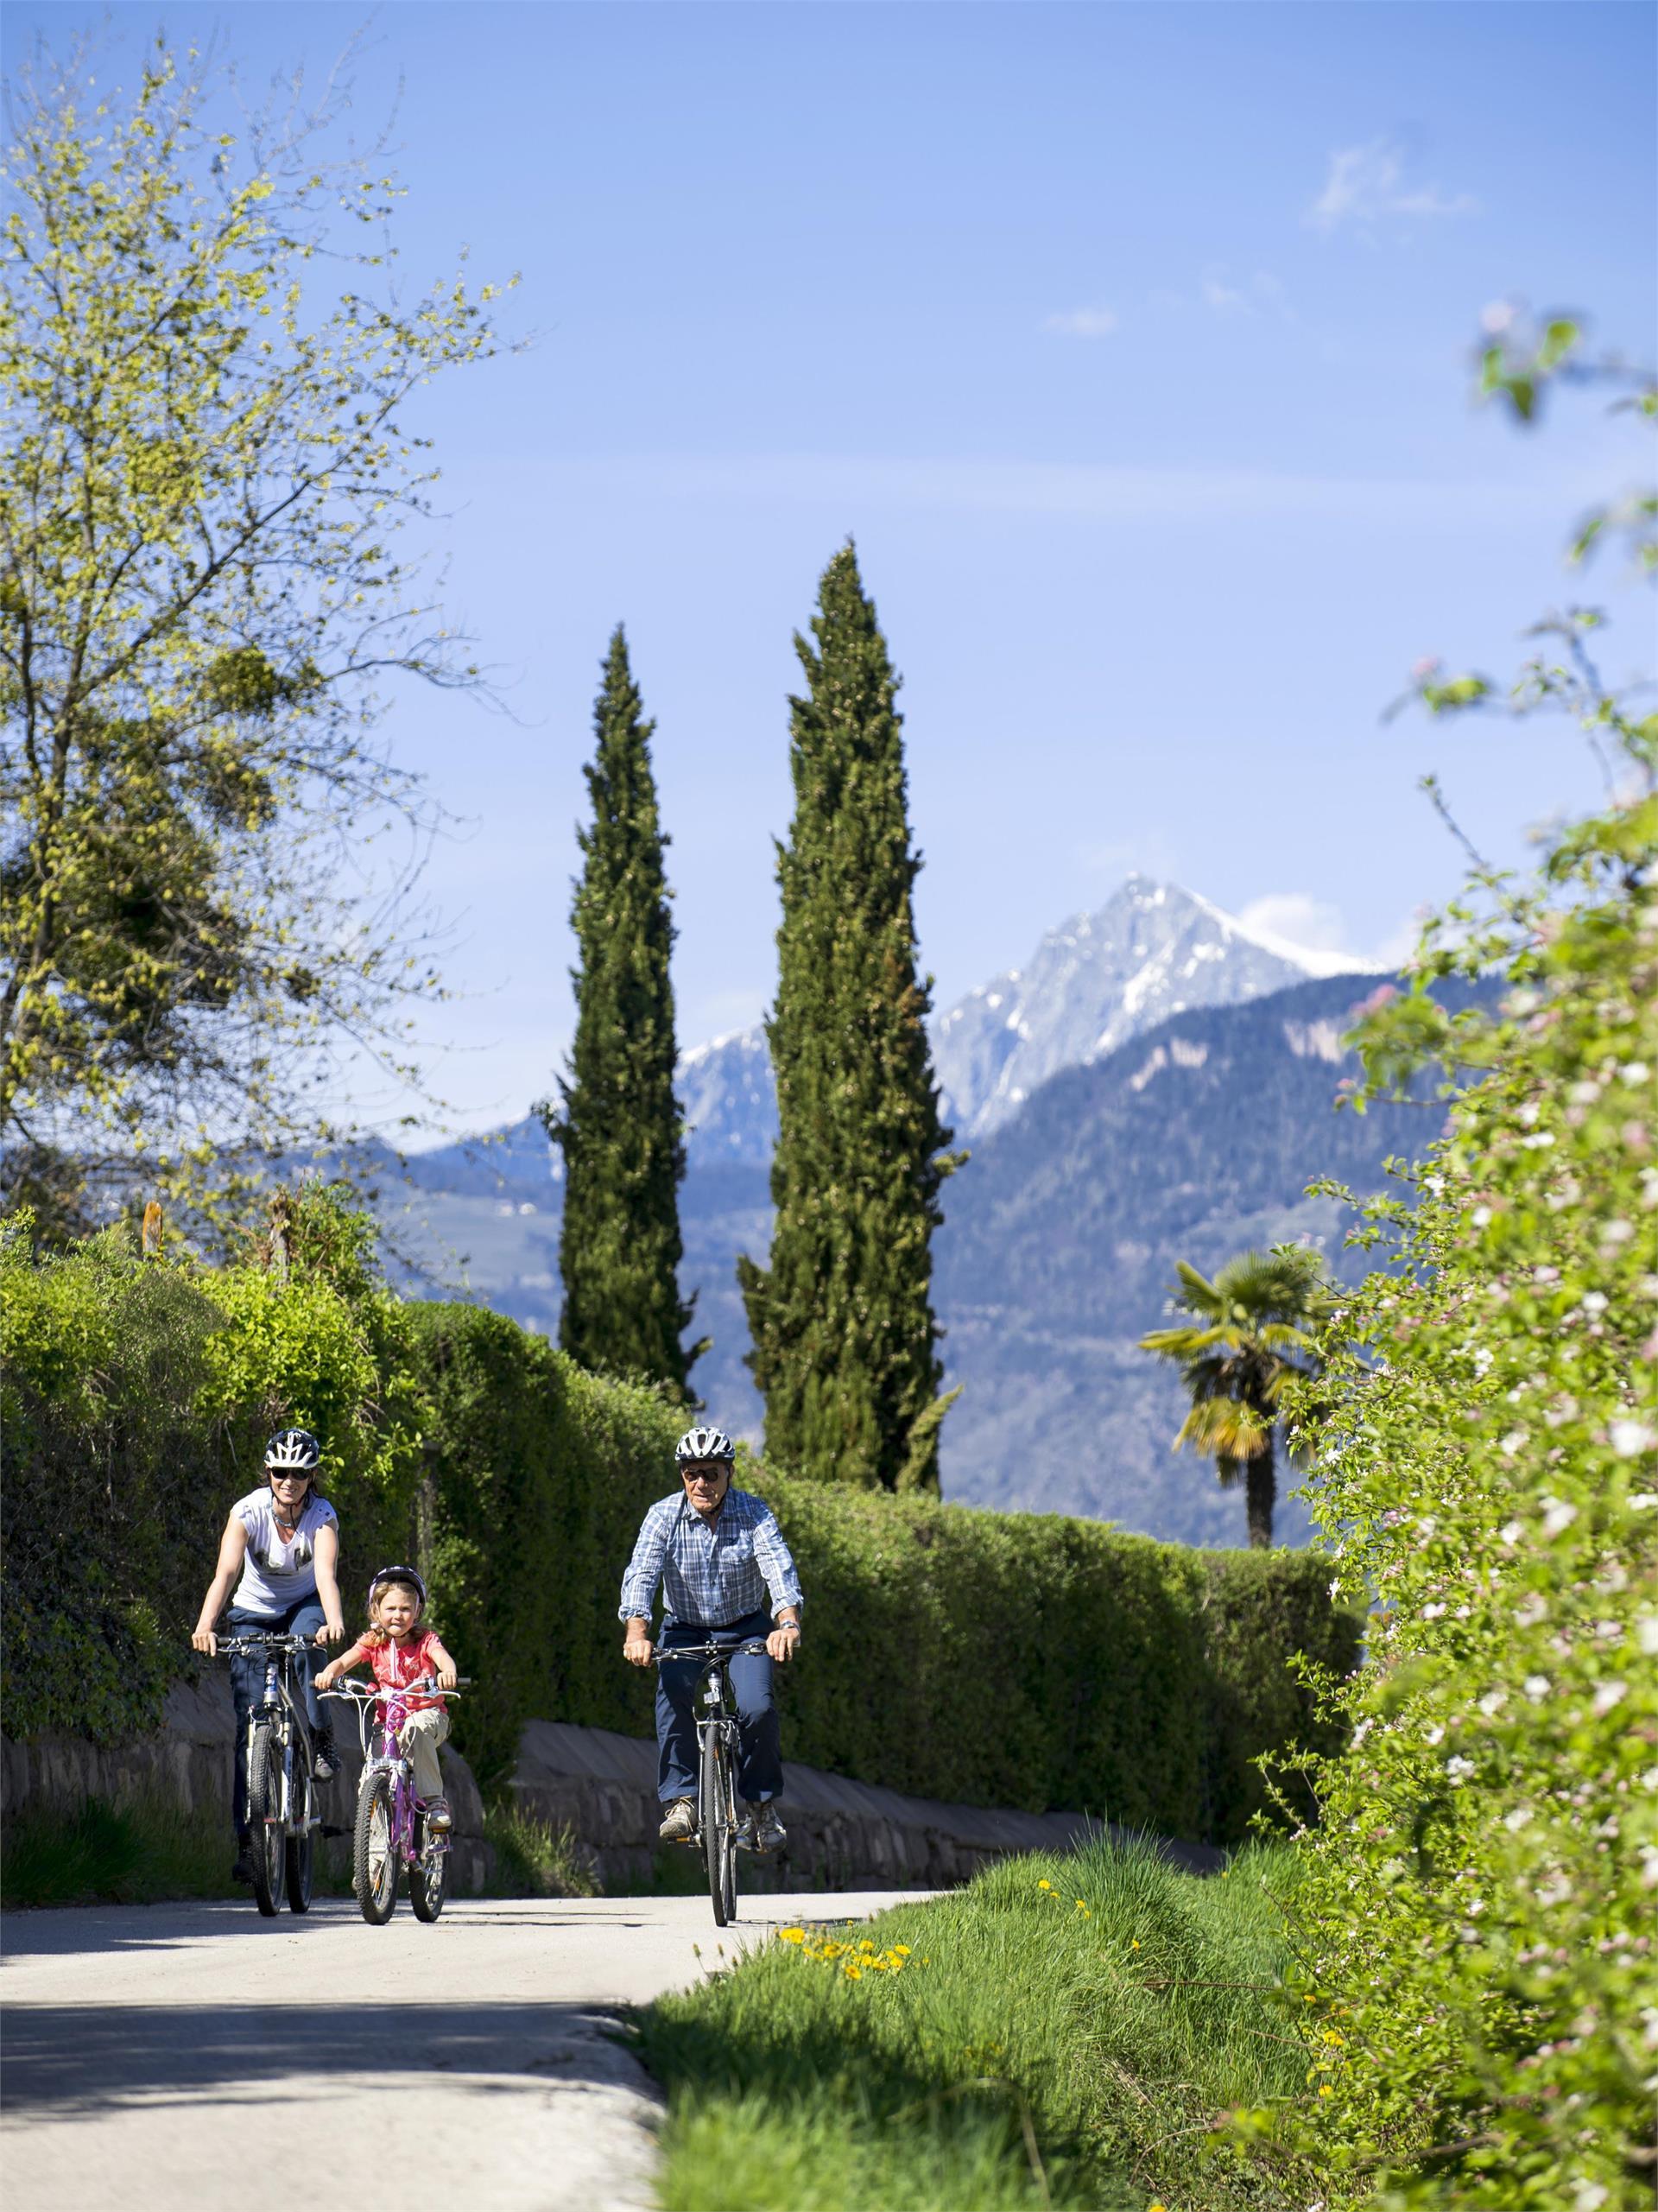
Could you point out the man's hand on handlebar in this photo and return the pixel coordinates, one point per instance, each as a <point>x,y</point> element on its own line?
<point>638,1648</point>
<point>203,1639</point>
<point>784,1640</point>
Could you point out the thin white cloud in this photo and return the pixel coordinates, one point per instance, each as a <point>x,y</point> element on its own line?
<point>1083,322</point>
<point>1367,185</point>
<point>1316,926</point>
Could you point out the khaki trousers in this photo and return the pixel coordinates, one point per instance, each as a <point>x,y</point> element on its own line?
<point>422,1733</point>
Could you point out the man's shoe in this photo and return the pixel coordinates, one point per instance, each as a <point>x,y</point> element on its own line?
<point>242,1870</point>
<point>438,1821</point>
<point>681,1826</point>
<point>325,1759</point>
<point>762,1831</point>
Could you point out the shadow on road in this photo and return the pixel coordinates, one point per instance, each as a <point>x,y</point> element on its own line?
<point>81,2061</point>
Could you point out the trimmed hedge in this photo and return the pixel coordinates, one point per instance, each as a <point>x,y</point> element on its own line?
<point>993,1658</point>
<point>999,1659</point>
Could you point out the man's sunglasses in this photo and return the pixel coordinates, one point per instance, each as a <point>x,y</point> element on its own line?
<point>709,1474</point>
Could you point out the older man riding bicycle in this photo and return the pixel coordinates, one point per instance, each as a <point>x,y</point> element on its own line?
<point>719,1556</point>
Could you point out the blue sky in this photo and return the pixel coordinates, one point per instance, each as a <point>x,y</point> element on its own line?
<point>1130,342</point>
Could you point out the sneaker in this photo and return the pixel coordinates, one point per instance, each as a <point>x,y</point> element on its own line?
<point>325,1759</point>
<point>681,1826</point>
<point>438,1821</point>
<point>762,1831</point>
<point>242,1870</point>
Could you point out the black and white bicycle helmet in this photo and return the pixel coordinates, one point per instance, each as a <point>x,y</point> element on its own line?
<point>293,1451</point>
<point>703,1444</point>
<point>399,1574</point>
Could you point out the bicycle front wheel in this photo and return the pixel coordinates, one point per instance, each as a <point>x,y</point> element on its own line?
<point>718,1829</point>
<point>374,1859</point>
<point>266,1839</point>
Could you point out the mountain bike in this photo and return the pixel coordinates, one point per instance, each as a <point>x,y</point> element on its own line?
<point>282,1816</point>
<point>717,1820</point>
<point>389,1837</point>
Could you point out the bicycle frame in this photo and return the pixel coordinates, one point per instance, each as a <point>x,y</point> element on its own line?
<point>280,1705</point>
<point>378,1734</point>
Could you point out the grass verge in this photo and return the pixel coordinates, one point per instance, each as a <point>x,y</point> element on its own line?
<point>1062,2032</point>
<point>534,1859</point>
<point>141,1854</point>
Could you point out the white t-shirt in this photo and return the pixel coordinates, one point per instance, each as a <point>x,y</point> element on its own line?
<point>276,1574</point>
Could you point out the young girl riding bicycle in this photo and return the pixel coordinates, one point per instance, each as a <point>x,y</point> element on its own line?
<point>401,1652</point>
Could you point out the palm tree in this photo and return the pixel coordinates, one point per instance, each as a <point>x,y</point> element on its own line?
<point>1246,1340</point>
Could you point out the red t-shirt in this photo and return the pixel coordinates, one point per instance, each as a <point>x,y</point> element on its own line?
<point>396,1665</point>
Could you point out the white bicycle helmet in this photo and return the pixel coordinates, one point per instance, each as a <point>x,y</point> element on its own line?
<point>293,1451</point>
<point>703,1444</point>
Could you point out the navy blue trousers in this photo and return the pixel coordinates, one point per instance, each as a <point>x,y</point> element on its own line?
<point>759,1740</point>
<point>248,1679</point>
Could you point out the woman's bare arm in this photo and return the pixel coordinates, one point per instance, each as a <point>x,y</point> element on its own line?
<point>327,1565</point>
<point>233,1550</point>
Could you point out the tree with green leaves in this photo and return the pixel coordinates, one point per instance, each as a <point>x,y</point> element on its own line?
<point>845,1338</point>
<point>205,473</point>
<point>619,1129</point>
<point>1246,1340</point>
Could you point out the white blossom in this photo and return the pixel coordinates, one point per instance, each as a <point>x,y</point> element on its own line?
<point>1537,1688</point>
<point>1629,1439</point>
<point>1557,1515</point>
<point>1611,1694</point>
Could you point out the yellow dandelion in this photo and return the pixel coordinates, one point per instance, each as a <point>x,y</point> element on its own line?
<point>1330,2036</point>
<point>1044,1883</point>
<point>1134,1942</point>
<point>853,1973</point>
<point>1309,2000</point>
<point>1325,2090</point>
<point>792,1935</point>
<point>1084,1910</point>
<point>902,1950</point>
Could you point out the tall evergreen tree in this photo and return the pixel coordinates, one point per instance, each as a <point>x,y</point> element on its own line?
<point>619,1249</point>
<point>845,1338</point>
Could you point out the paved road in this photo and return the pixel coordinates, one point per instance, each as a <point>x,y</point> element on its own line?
<point>171,2058</point>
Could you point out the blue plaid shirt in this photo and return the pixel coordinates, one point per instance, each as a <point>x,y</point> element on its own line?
<point>709,1575</point>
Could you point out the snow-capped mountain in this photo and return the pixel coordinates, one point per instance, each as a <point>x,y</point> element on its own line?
<point>1152,951</point>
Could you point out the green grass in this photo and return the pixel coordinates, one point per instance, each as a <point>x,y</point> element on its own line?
<point>534,1859</point>
<point>143,1854</point>
<point>1027,2054</point>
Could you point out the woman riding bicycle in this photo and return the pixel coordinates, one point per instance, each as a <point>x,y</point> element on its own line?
<point>719,1556</point>
<point>280,1549</point>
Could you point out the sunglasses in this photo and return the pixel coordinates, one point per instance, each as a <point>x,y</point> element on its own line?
<point>704,1473</point>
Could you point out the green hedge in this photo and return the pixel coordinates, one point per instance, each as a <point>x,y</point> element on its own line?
<point>997,1659</point>
<point>993,1658</point>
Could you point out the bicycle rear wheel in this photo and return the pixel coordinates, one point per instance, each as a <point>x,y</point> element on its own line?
<point>374,1859</point>
<point>719,1834</point>
<point>428,1882</point>
<point>297,1850</point>
<point>266,1839</point>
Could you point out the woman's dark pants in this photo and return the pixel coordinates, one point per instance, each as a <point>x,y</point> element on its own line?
<point>759,1741</point>
<point>248,1679</point>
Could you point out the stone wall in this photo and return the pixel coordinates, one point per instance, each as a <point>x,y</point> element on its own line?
<point>842,1835</point>
<point>602,1786</point>
<point>186,1768</point>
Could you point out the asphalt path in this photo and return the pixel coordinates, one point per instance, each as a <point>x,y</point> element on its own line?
<point>164,2058</point>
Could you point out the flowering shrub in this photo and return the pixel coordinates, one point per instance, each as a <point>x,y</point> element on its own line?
<point>1475,1920</point>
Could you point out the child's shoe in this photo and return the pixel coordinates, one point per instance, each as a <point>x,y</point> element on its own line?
<point>438,1821</point>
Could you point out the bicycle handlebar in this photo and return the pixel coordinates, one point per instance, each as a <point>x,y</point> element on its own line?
<point>660,1656</point>
<point>365,1691</point>
<point>234,1645</point>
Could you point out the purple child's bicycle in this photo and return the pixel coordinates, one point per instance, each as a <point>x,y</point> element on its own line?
<point>390,1834</point>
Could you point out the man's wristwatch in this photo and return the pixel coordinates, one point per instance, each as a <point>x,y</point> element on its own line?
<point>795,1625</point>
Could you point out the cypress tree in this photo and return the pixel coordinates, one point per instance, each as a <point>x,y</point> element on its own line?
<point>844,1334</point>
<point>620,1131</point>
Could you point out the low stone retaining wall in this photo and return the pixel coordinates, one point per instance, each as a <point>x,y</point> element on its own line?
<point>602,1786</point>
<point>842,1835</point>
<point>186,1768</point>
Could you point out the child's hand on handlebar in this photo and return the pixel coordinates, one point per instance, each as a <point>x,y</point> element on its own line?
<point>328,1676</point>
<point>446,1675</point>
